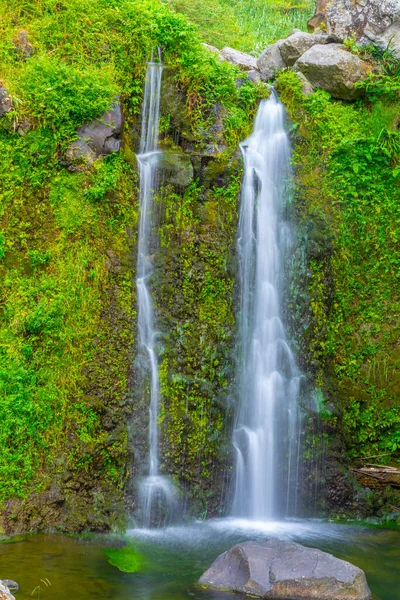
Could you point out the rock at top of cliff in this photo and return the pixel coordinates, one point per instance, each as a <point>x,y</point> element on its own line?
<point>376,21</point>
<point>278,569</point>
<point>245,62</point>
<point>299,42</point>
<point>333,69</point>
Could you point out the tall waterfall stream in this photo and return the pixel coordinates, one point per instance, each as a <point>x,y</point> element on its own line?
<point>156,492</point>
<point>266,430</point>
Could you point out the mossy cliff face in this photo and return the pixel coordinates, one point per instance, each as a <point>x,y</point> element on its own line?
<point>345,294</point>
<point>193,290</point>
<point>67,250</point>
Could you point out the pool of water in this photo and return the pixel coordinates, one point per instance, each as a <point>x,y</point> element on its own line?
<point>78,568</point>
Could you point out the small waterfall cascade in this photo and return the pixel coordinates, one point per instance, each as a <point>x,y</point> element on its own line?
<point>156,492</point>
<point>266,434</point>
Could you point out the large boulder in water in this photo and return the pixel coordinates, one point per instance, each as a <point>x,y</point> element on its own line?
<point>376,21</point>
<point>278,569</point>
<point>333,69</point>
<point>5,593</point>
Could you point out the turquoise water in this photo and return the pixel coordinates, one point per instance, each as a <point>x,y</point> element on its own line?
<point>78,568</point>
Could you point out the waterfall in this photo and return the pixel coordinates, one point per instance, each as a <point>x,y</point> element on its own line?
<point>156,492</point>
<point>266,434</point>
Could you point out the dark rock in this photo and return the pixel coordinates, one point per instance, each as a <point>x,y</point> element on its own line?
<point>176,169</point>
<point>24,126</point>
<point>22,45</point>
<point>278,569</point>
<point>98,138</point>
<point>79,156</point>
<point>6,104</point>
<point>99,131</point>
<point>332,69</point>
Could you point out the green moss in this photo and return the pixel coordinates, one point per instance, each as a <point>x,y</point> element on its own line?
<point>347,187</point>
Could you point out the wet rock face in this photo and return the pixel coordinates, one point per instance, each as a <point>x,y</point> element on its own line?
<point>332,69</point>
<point>277,569</point>
<point>376,21</point>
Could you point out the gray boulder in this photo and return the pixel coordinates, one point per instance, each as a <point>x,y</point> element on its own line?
<point>22,45</point>
<point>99,131</point>
<point>376,21</point>
<point>277,569</point>
<point>98,138</point>
<point>306,86</point>
<point>271,62</point>
<point>245,62</point>
<point>332,69</point>
<point>5,101</point>
<point>299,42</point>
<point>5,593</point>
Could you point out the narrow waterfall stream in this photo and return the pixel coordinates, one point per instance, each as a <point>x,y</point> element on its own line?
<point>266,431</point>
<point>156,492</point>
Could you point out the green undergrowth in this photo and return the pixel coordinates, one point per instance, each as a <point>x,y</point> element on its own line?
<point>67,299</point>
<point>247,25</point>
<point>348,209</point>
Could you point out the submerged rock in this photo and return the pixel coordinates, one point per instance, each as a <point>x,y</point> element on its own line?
<point>277,569</point>
<point>332,69</point>
<point>12,585</point>
<point>5,593</point>
<point>245,62</point>
<point>271,61</point>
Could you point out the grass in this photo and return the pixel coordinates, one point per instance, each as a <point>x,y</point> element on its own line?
<point>247,25</point>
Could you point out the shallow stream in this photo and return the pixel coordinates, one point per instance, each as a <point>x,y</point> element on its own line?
<point>78,568</point>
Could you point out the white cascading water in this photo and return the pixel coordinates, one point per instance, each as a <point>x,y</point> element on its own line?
<point>156,492</point>
<point>266,434</point>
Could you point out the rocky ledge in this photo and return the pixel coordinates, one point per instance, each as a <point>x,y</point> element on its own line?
<point>286,570</point>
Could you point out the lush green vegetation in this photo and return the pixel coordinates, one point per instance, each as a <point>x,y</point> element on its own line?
<point>248,25</point>
<point>348,210</point>
<point>67,247</point>
<point>67,296</point>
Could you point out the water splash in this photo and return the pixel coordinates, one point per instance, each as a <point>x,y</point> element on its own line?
<point>266,431</point>
<point>157,497</point>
